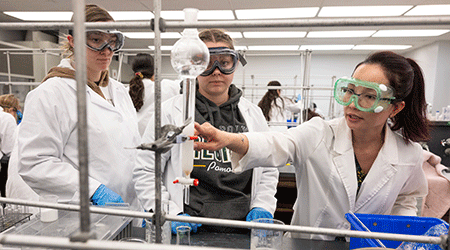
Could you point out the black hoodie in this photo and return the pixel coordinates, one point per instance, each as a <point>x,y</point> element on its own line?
<point>221,193</point>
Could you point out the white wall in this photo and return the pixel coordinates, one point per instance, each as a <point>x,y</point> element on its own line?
<point>442,90</point>
<point>426,57</point>
<point>435,63</point>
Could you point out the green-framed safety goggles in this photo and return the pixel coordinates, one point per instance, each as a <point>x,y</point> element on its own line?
<point>367,96</point>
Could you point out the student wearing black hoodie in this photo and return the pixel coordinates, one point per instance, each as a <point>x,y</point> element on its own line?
<point>221,193</point>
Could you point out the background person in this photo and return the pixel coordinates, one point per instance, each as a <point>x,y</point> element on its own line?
<point>142,89</point>
<point>47,151</point>
<point>220,194</point>
<point>8,127</point>
<point>360,162</point>
<point>11,104</point>
<point>277,108</point>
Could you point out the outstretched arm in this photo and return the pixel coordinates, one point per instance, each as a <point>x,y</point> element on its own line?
<point>217,139</point>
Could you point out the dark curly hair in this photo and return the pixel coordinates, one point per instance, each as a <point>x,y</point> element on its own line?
<point>143,65</point>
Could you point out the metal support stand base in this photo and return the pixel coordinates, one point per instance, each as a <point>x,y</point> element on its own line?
<point>83,236</point>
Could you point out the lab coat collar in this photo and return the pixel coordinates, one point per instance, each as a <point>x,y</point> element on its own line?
<point>382,170</point>
<point>343,142</point>
<point>343,135</point>
<point>95,98</point>
<point>380,173</point>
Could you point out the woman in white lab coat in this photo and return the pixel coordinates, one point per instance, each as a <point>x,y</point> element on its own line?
<point>360,163</point>
<point>142,89</point>
<point>277,108</point>
<point>220,193</point>
<point>48,135</point>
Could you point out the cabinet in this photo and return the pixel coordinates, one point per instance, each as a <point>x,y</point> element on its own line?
<point>440,130</point>
<point>286,196</point>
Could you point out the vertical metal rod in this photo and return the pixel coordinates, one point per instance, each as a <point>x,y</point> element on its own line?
<point>9,71</point>
<point>295,84</point>
<point>45,62</point>
<point>306,84</point>
<point>303,68</point>
<point>253,84</point>
<point>81,78</point>
<point>243,78</point>
<point>331,106</point>
<point>119,70</point>
<point>158,173</point>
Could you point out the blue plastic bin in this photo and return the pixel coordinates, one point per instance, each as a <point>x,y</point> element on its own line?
<point>411,225</point>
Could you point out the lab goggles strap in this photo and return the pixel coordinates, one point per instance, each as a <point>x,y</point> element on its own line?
<point>375,97</point>
<point>98,40</point>
<point>225,57</point>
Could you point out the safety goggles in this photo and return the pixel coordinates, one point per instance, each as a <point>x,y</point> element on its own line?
<point>98,40</point>
<point>367,96</point>
<point>223,58</point>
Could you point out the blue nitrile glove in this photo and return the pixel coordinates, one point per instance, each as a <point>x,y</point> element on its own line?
<point>176,224</point>
<point>105,195</point>
<point>257,213</point>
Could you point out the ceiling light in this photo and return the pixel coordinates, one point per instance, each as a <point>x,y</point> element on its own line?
<point>363,11</point>
<point>273,47</point>
<point>172,14</point>
<point>202,15</point>
<point>326,47</point>
<point>215,15</point>
<point>151,35</point>
<point>337,34</point>
<point>409,33</point>
<point>277,13</point>
<point>131,15</point>
<point>275,34</point>
<point>234,35</point>
<point>240,47</point>
<point>162,47</point>
<point>41,15</point>
<point>381,47</point>
<point>432,10</point>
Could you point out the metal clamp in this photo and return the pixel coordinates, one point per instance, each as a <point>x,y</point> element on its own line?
<point>162,24</point>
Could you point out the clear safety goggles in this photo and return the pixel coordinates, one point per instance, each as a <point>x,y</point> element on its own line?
<point>224,59</point>
<point>98,40</point>
<point>366,96</point>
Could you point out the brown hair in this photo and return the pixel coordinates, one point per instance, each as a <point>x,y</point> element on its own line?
<point>94,13</point>
<point>406,78</point>
<point>216,35</point>
<point>270,97</point>
<point>9,101</point>
<point>143,67</point>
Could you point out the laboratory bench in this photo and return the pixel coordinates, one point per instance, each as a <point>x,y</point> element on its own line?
<point>107,227</point>
<point>242,241</point>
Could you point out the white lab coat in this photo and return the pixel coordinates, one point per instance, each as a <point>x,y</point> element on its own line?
<point>169,89</point>
<point>7,127</point>
<point>281,115</point>
<point>264,182</point>
<point>15,186</point>
<point>323,155</point>
<point>48,139</point>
